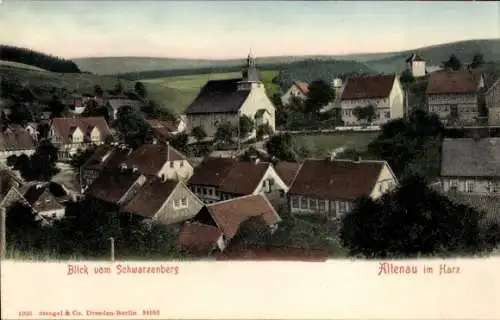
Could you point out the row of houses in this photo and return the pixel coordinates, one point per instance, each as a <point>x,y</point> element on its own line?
<point>457,97</point>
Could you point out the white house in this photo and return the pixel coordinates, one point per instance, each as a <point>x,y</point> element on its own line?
<point>298,89</point>
<point>217,179</point>
<point>416,65</point>
<point>161,160</point>
<point>222,101</point>
<point>330,187</point>
<point>384,93</point>
<point>15,140</point>
<point>71,134</point>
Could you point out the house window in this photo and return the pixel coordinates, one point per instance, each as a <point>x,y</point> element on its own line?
<point>470,186</point>
<point>453,185</point>
<point>54,215</point>
<point>342,206</point>
<point>171,164</point>
<point>321,205</point>
<point>303,203</point>
<point>312,203</point>
<point>495,187</point>
<point>181,164</point>
<point>295,202</point>
<point>177,203</point>
<point>184,202</point>
<point>387,114</point>
<point>197,190</point>
<point>282,193</point>
<point>217,194</point>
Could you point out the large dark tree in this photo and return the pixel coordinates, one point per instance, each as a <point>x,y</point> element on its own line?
<point>140,90</point>
<point>41,166</point>
<point>198,133</point>
<point>282,146</point>
<point>477,61</point>
<point>246,126</point>
<point>56,107</point>
<point>319,95</point>
<point>453,63</point>
<point>132,126</point>
<point>37,59</point>
<point>410,221</point>
<point>224,132</point>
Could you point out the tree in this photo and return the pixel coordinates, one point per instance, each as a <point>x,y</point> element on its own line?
<point>180,142</point>
<point>41,166</point>
<point>251,232</point>
<point>246,126</point>
<point>140,89</point>
<point>281,146</point>
<point>118,89</point>
<point>453,63</point>
<point>12,161</point>
<point>133,128</point>
<point>224,132</point>
<point>406,78</point>
<point>56,107</point>
<point>365,113</point>
<point>410,221</point>
<point>477,61</point>
<point>80,157</point>
<point>98,92</point>
<point>23,227</point>
<point>198,133</point>
<point>263,130</point>
<point>319,95</point>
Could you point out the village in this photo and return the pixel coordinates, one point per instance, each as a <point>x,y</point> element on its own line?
<point>223,180</point>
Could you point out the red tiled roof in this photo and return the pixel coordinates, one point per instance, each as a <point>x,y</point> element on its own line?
<point>368,87</point>
<point>150,158</point>
<point>212,171</point>
<point>196,237</point>
<point>287,171</point>
<point>302,86</point>
<point>244,177</point>
<point>164,128</point>
<point>150,197</point>
<point>337,179</point>
<point>106,157</point>
<point>229,214</point>
<point>446,82</point>
<point>273,253</point>
<point>63,127</point>
<point>16,138</point>
<point>111,185</point>
<point>229,174</point>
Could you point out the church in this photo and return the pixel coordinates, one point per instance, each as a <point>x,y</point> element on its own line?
<point>227,100</point>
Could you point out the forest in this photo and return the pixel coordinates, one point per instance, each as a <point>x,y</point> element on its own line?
<point>37,59</point>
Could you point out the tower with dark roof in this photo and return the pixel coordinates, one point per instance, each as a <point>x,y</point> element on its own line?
<point>416,64</point>
<point>251,75</point>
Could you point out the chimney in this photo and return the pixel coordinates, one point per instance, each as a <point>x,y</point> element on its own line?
<point>255,159</point>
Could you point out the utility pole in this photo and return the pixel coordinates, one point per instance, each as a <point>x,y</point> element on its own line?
<point>3,228</point>
<point>112,240</point>
<point>239,143</point>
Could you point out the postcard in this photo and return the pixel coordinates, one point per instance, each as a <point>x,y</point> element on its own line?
<point>249,159</point>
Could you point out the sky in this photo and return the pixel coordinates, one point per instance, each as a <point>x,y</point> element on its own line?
<point>229,29</point>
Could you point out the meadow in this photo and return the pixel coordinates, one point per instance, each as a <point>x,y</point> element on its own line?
<point>320,145</point>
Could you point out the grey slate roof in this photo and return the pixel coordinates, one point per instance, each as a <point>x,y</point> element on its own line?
<point>219,96</point>
<point>470,158</point>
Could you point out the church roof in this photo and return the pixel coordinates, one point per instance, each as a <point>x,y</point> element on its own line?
<point>219,96</point>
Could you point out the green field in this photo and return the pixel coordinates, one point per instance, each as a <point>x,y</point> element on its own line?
<point>184,89</point>
<point>321,144</point>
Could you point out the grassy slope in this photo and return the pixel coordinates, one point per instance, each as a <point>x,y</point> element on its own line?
<point>12,64</point>
<point>185,88</point>
<point>379,61</point>
<point>82,83</point>
<point>321,144</point>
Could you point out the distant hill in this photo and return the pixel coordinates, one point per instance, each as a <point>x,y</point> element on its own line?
<point>388,62</point>
<point>18,65</point>
<point>37,59</point>
<point>310,70</point>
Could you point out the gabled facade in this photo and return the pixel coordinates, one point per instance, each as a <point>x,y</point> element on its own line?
<point>71,134</point>
<point>492,98</point>
<point>218,179</point>
<point>15,140</point>
<point>416,65</point>
<point>104,157</point>
<point>384,93</point>
<point>161,160</point>
<point>471,166</point>
<point>164,201</point>
<point>298,90</point>
<point>455,96</point>
<point>222,101</point>
<point>329,188</point>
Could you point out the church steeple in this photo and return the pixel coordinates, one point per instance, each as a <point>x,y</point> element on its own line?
<point>250,60</point>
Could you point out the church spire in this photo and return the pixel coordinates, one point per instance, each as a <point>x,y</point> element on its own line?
<point>250,59</point>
